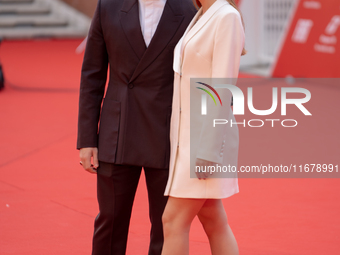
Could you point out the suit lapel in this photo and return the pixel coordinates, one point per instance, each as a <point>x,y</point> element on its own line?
<point>129,19</point>
<point>179,47</point>
<point>201,22</point>
<point>169,23</point>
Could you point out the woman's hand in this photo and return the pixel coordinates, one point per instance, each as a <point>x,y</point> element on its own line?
<point>203,165</point>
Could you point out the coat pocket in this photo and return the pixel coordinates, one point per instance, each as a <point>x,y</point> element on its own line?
<point>109,131</point>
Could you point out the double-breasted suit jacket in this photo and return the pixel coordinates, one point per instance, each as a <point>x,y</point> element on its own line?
<point>211,47</point>
<point>135,113</point>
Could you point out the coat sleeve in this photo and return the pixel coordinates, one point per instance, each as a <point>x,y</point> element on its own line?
<point>92,85</point>
<point>227,50</point>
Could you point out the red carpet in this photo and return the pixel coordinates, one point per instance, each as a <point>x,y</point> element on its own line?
<point>48,203</point>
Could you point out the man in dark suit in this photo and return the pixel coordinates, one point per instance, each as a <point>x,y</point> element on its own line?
<point>135,39</point>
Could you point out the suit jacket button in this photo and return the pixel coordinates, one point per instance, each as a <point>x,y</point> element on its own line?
<point>130,85</point>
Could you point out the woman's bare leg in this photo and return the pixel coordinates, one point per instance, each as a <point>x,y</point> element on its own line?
<point>214,220</point>
<point>177,218</point>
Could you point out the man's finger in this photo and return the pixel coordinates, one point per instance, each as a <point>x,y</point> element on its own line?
<point>86,162</point>
<point>91,170</point>
<point>95,158</point>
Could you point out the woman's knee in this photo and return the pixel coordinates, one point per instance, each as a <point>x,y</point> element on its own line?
<point>173,224</point>
<point>213,218</point>
<point>178,215</point>
<point>167,218</point>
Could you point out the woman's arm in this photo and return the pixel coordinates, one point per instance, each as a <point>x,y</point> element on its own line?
<point>227,50</point>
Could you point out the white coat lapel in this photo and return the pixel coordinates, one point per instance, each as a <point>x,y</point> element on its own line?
<point>204,19</point>
<point>192,29</point>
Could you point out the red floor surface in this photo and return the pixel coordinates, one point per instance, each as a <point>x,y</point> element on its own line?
<point>48,203</point>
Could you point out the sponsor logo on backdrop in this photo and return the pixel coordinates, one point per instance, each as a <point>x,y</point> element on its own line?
<point>312,5</point>
<point>328,40</point>
<point>311,45</point>
<point>302,30</point>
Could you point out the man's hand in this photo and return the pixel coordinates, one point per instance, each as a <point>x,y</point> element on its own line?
<point>85,155</point>
<point>203,165</point>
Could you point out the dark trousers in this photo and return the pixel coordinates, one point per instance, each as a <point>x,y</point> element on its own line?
<point>116,188</point>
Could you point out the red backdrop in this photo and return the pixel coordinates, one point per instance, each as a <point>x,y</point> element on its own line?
<point>312,47</point>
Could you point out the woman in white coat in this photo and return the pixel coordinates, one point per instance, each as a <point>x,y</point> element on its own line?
<point>211,47</point>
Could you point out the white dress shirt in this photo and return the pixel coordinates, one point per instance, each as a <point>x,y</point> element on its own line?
<point>150,12</point>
